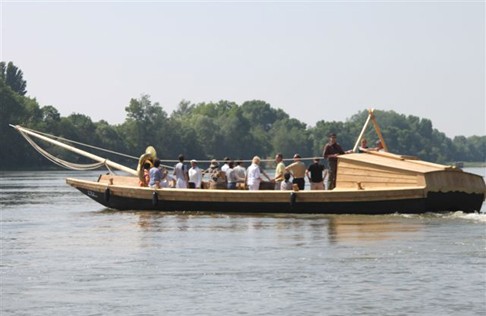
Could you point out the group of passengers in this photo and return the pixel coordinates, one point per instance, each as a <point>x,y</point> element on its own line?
<point>233,175</point>
<point>316,174</point>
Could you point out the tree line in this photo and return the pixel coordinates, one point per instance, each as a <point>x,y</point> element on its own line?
<point>210,130</point>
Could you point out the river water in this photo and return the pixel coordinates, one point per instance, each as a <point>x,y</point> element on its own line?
<point>63,254</point>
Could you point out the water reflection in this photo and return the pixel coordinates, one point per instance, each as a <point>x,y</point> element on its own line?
<point>332,229</point>
<point>371,228</point>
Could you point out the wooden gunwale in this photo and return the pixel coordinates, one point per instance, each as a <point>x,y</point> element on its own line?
<point>235,196</point>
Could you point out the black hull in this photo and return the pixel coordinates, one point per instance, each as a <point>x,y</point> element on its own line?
<point>437,202</point>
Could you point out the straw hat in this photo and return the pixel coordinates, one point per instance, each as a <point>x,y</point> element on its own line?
<point>214,163</point>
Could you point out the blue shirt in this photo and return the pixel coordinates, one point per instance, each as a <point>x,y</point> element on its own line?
<point>155,175</point>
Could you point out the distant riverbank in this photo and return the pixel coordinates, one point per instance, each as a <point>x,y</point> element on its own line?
<point>477,164</point>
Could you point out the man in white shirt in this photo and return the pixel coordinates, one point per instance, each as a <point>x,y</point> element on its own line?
<point>253,175</point>
<point>225,167</point>
<point>180,172</point>
<point>195,175</point>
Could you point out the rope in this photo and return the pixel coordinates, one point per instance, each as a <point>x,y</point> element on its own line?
<point>109,169</point>
<point>242,160</point>
<point>82,144</point>
<point>60,162</point>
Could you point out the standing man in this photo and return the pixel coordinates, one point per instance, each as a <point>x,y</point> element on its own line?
<point>279,171</point>
<point>314,174</point>
<point>297,169</point>
<point>331,151</point>
<point>195,175</point>
<point>240,172</point>
<point>180,172</point>
<point>225,167</point>
<point>231,176</point>
<point>155,175</point>
<point>253,178</point>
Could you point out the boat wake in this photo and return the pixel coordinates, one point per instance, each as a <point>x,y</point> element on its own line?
<point>476,216</point>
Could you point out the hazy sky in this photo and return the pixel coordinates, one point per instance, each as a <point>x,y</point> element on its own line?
<point>316,60</point>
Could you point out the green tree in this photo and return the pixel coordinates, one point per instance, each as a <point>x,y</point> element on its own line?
<point>213,130</point>
<point>13,77</point>
<point>17,110</point>
<point>236,139</point>
<point>47,119</point>
<point>79,127</point>
<point>261,114</point>
<point>146,125</point>
<point>289,136</point>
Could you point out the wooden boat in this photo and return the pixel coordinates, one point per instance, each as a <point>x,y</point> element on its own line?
<point>367,183</point>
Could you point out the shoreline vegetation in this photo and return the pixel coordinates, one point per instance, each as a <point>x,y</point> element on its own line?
<point>213,130</point>
<point>475,164</point>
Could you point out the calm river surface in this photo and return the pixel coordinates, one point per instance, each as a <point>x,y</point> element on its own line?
<point>63,254</point>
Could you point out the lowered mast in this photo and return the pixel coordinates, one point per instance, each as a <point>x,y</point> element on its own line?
<point>102,160</point>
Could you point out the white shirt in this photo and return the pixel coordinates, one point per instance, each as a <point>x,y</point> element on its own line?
<point>225,167</point>
<point>253,174</point>
<point>195,175</point>
<point>179,171</point>
<point>240,172</point>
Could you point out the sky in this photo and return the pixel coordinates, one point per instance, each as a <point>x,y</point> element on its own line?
<point>316,60</point>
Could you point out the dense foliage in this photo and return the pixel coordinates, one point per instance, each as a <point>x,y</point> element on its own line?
<point>211,130</point>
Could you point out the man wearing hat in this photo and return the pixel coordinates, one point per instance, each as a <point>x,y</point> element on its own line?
<point>195,175</point>
<point>213,168</point>
<point>297,169</point>
<point>215,174</point>
<point>330,152</point>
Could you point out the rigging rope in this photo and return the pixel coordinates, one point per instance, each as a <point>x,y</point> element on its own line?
<point>60,162</point>
<point>82,144</point>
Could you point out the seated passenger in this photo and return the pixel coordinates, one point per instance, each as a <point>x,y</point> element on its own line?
<point>146,174</point>
<point>363,146</point>
<point>213,169</point>
<point>286,184</point>
<point>167,180</point>
<point>378,146</point>
<point>217,178</point>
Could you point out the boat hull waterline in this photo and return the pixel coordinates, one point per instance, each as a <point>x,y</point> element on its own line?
<point>403,200</point>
